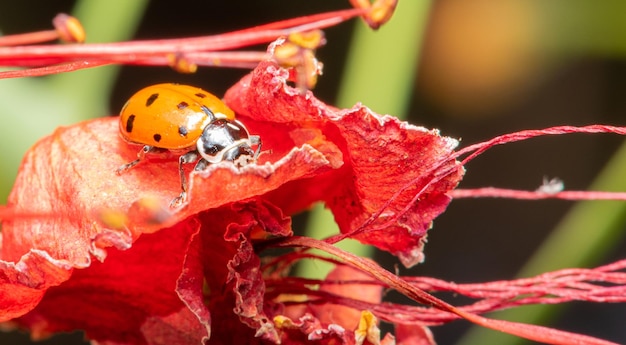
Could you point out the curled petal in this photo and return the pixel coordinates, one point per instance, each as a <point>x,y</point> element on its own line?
<point>23,284</point>
<point>71,178</point>
<point>385,181</point>
<point>122,288</point>
<point>391,178</point>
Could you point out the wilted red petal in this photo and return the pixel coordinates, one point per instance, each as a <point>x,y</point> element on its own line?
<point>381,156</point>
<point>231,266</point>
<point>22,284</point>
<point>155,291</point>
<point>202,264</point>
<point>71,175</point>
<point>123,299</point>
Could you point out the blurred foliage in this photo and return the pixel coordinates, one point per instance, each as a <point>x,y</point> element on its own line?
<point>32,107</point>
<point>482,56</point>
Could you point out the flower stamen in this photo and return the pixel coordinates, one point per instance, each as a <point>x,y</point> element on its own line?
<point>66,28</point>
<point>378,12</point>
<point>297,53</point>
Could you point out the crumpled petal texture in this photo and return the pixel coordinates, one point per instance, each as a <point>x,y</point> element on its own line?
<point>163,276</point>
<point>381,156</point>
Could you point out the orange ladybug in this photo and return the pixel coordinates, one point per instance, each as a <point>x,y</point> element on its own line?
<point>188,121</point>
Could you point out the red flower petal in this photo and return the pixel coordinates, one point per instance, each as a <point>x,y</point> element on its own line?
<point>127,298</point>
<point>361,164</point>
<point>72,174</point>
<point>23,284</point>
<point>381,156</point>
<point>70,178</point>
<point>235,267</point>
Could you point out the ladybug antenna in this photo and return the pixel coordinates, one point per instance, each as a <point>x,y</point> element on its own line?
<point>208,113</point>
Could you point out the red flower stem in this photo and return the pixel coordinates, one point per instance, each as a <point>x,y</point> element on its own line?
<point>479,148</point>
<point>68,67</point>
<point>126,52</point>
<point>490,294</point>
<point>285,262</point>
<point>28,38</point>
<point>491,192</point>
<point>548,288</point>
<point>233,59</point>
<point>242,59</point>
<point>329,18</point>
<point>532,332</point>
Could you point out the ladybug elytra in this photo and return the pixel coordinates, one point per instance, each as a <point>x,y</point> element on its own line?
<point>188,121</point>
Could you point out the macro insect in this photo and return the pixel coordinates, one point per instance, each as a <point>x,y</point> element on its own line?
<point>188,121</point>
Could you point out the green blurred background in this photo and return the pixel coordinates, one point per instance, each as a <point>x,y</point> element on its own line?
<point>474,69</point>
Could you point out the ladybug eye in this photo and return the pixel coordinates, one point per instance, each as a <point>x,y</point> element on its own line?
<point>212,150</point>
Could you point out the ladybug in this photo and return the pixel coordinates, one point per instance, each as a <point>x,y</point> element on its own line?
<point>188,121</point>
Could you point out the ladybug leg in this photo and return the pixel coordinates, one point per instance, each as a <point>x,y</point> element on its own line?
<point>187,158</point>
<point>201,165</point>
<point>256,140</point>
<point>141,155</point>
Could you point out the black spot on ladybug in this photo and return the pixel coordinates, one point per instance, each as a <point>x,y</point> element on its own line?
<point>153,97</point>
<point>200,95</point>
<point>157,137</point>
<point>129,123</point>
<point>182,130</point>
<point>182,105</point>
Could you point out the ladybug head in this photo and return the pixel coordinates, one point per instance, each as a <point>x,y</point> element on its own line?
<point>228,140</point>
